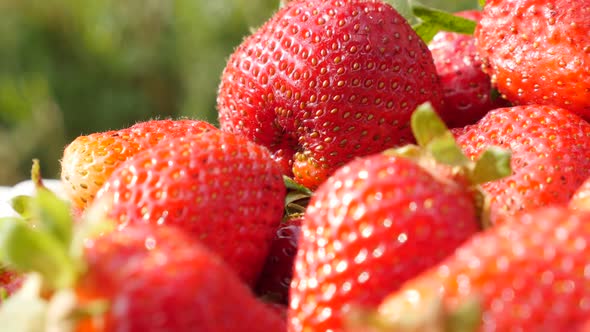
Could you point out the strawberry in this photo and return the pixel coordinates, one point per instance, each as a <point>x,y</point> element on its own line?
<point>89,160</point>
<point>529,274</point>
<point>538,51</point>
<point>550,155</point>
<point>220,187</point>
<point>10,281</point>
<point>140,278</point>
<point>275,278</point>
<point>322,82</point>
<point>376,222</point>
<point>468,93</point>
<point>158,278</point>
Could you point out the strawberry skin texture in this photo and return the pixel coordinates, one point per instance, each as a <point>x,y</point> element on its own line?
<point>375,223</point>
<point>275,278</point>
<point>550,155</point>
<point>538,51</point>
<point>88,160</point>
<point>223,189</point>
<point>161,279</point>
<point>530,274</point>
<point>322,82</point>
<point>466,88</point>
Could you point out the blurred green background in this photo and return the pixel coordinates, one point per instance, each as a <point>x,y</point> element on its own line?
<point>72,67</point>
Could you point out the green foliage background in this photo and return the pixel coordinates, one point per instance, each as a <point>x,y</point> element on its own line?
<point>72,67</point>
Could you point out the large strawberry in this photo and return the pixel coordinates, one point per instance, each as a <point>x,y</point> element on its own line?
<point>376,222</point>
<point>550,155</point>
<point>89,160</point>
<point>530,274</point>
<point>220,187</point>
<point>538,51</point>
<point>324,81</point>
<point>468,93</point>
<point>141,278</point>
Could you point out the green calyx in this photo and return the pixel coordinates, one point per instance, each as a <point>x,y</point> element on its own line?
<point>45,245</point>
<point>43,239</point>
<point>297,198</point>
<point>437,145</point>
<point>431,21</point>
<point>437,140</point>
<point>427,22</point>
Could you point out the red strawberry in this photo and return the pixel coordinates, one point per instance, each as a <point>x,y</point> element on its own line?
<point>322,82</point>
<point>468,94</point>
<point>10,281</point>
<point>159,279</point>
<point>89,160</point>
<point>538,51</point>
<point>275,278</point>
<point>529,274</point>
<point>550,155</point>
<point>222,188</point>
<point>375,223</point>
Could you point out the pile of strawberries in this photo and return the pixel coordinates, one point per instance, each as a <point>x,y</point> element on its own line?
<point>371,172</point>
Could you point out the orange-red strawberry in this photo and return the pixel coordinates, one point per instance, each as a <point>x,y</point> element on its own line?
<point>89,160</point>
<point>220,187</point>
<point>324,81</point>
<point>538,51</point>
<point>529,274</point>
<point>467,90</point>
<point>550,155</point>
<point>365,232</point>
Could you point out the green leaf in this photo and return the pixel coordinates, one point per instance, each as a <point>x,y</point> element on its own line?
<point>292,185</point>
<point>27,249</point>
<point>22,204</point>
<point>435,20</point>
<point>427,125</point>
<point>493,164</point>
<point>445,149</point>
<point>482,3</point>
<point>53,215</point>
<point>426,31</point>
<point>404,8</point>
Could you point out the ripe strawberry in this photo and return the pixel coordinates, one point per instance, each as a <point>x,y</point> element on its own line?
<point>467,90</point>
<point>550,155</point>
<point>275,279</point>
<point>89,160</point>
<point>538,51</point>
<point>159,279</point>
<point>322,82</point>
<point>376,222</point>
<point>222,188</point>
<point>529,274</point>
